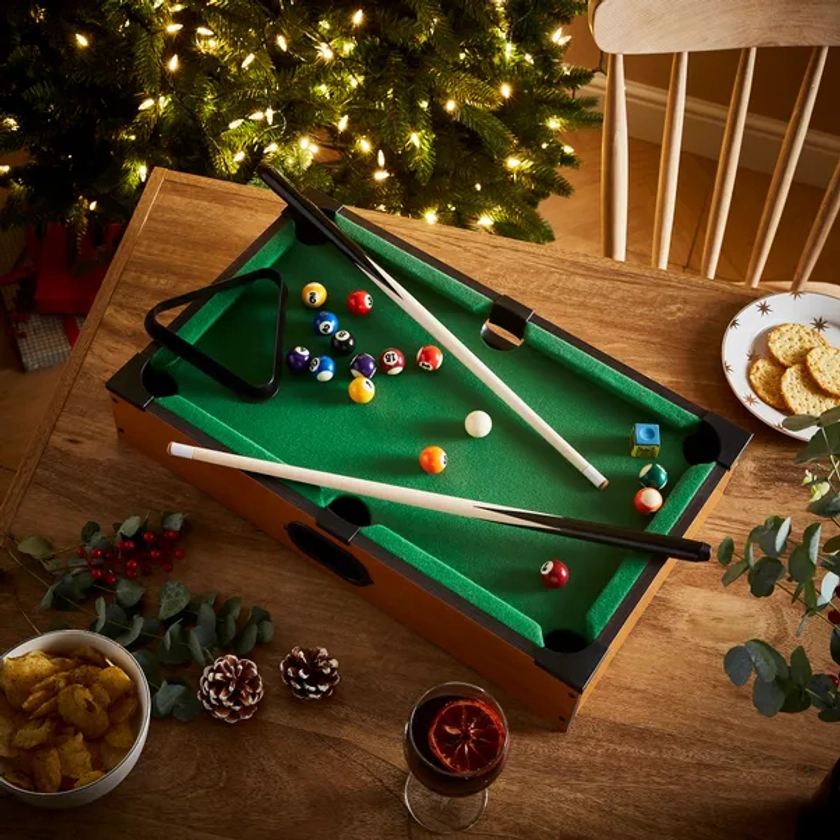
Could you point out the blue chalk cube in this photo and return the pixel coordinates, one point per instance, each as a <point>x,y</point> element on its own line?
<point>644,440</point>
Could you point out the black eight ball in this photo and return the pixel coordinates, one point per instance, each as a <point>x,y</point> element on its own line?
<point>343,343</point>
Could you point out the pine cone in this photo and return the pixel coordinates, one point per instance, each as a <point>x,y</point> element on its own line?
<point>310,673</point>
<point>230,688</point>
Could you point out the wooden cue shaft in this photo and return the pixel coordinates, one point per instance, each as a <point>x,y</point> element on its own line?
<point>660,545</point>
<point>411,306</point>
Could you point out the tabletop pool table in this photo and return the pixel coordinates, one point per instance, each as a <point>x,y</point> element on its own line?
<point>471,586</point>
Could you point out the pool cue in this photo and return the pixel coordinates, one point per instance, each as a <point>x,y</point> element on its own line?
<point>659,545</point>
<point>412,307</point>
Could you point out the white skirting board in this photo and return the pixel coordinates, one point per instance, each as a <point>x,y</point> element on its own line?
<point>703,132</point>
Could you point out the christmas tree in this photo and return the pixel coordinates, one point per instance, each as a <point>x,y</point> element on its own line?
<point>450,110</point>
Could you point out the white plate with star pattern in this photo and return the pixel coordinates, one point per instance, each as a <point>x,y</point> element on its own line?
<point>745,340</point>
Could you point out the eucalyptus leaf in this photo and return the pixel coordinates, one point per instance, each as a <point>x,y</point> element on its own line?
<point>116,621</point>
<point>828,417</point>
<point>797,592</point>
<point>830,715</point>
<point>832,563</point>
<point>66,593</point>
<point>796,698</point>
<point>130,527</point>
<point>100,608</point>
<point>129,592</point>
<point>832,544</point>
<point>149,663</point>
<point>768,662</point>
<point>734,571</point>
<point>265,632</point>
<point>37,547</point>
<point>245,640</point>
<point>100,542</point>
<point>187,707</point>
<point>174,649</point>
<point>133,633</point>
<point>173,521</point>
<point>834,645</point>
<point>764,576</point>
<point>152,628</point>
<point>738,665</point>
<point>827,506</point>
<point>205,628</point>
<point>174,597</point>
<point>196,649</point>
<point>822,690</point>
<point>226,629</point>
<point>749,554</point>
<point>811,541</point>
<point>257,615</point>
<point>165,698</point>
<point>232,606</point>
<point>800,629</point>
<point>88,530</point>
<point>816,448</point>
<point>725,551</point>
<point>828,585</point>
<point>768,697</point>
<point>798,422</point>
<point>774,537</point>
<point>800,667</point>
<point>802,569</point>
<point>809,596</point>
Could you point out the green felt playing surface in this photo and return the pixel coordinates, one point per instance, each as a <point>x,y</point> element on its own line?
<point>316,425</point>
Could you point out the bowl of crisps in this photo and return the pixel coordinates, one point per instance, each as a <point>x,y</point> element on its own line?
<point>74,715</point>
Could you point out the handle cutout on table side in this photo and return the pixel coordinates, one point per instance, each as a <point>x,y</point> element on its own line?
<point>323,550</point>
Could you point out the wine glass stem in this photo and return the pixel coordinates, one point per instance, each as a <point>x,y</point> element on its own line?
<point>443,814</point>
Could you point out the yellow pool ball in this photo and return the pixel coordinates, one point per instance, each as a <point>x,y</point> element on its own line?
<point>314,295</point>
<point>433,460</point>
<point>361,390</point>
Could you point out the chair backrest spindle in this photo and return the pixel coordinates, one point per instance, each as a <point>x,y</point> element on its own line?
<point>615,171</point>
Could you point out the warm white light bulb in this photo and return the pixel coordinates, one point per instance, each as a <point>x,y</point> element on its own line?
<point>257,115</point>
<point>212,43</point>
<point>239,157</point>
<point>380,157</point>
<point>313,149</point>
<point>324,24</point>
<point>568,150</point>
<point>557,37</point>
<point>172,64</point>
<point>271,148</point>
<point>529,58</point>
<point>235,123</point>
<point>423,103</point>
<point>178,7</point>
<point>282,43</point>
<point>478,187</point>
<point>380,175</point>
<point>485,221</point>
<point>246,62</point>
<point>92,205</point>
<point>451,105</point>
<point>506,90</point>
<point>508,50</point>
<point>81,40</point>
<point>325,52</point>
<point>414,137</point>
<point>358,17</point>
<point>146,104</point>
<point>342,123</point>
<point>269,116</point>
<point>142,171</point>
<point>5,169</point>
<point>364,145</point>
<point>174,27</point>
<point>203,30</point>
<point>12,124</point>
<point>513,162</point>
<point>554,123</point>
<point>304,142</point>
<point>430,216</point>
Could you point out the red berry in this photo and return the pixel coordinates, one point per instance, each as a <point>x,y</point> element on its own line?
<point>129,545</point>
<point>179,553</point>
<point>120,545</point>
<point>171,535</point>
<point>96,573</point>
<point>834,616</point>
<point>96,553</point>
<point>149,537</point>
<point>835,680</point>
<point>111,579</point>
<point>156,555</point>
<point>554,574</point>
<point>80,552</point>
<point>110,556</point>
<point>167,566</point>
<point>131,573</point>
<point>131,566</point>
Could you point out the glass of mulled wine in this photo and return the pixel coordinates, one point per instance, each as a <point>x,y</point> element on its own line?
<point>456,743</point>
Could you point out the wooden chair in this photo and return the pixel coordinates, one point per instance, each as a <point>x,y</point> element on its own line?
<point>624,27</point>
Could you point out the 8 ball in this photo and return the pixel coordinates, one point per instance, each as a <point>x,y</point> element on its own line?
<point>343,343</point>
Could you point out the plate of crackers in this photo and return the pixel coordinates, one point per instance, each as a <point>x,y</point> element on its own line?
<point>781,356</point>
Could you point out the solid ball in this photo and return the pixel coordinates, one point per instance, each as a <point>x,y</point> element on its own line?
<point>478,424</point>
<point>361,390</point>
<point>359,302</point>
<point>325,323</point>
<point>433,460</point>
<point>648,500</point>
<point>429,357</point>
<point>343,343</point>
<point>363,365</point>
<point>554,574</point>
<point>297,359</point>
<point>314,295</point>
<point>653,475</point>
<point>322,368</point>
<point>392,361</point>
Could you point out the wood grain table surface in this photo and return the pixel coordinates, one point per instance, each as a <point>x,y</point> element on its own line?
<point>665,748</point>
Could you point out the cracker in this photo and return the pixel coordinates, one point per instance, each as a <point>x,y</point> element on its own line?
<point>824,366</point>
<point>803,395</point>
<point>789,344</point>
<point>766,380</point>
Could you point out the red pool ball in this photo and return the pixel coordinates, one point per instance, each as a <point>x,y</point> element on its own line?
<point>554,574</point>
<point>359,302</point>
<point>429,357</point>
<point>392,361</point>
<point>648,500</point>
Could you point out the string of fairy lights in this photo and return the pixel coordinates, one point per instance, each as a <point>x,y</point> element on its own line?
<point>327,48</point>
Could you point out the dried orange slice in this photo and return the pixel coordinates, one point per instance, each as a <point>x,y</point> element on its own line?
<point>467,736</point>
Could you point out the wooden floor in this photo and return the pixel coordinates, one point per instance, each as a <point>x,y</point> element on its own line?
<point>576,221</point>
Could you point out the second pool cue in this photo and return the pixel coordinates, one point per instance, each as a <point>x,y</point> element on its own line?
<point>658,545</point>
<point>411,306</point>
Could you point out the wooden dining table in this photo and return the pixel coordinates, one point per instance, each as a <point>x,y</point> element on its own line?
<point>665,748</point>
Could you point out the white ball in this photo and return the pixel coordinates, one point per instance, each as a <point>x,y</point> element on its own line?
<point>478,424</point>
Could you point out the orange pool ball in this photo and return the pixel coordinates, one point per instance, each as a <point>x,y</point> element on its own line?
<point>433,460</point>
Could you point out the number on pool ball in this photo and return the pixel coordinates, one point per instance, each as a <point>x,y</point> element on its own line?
<point>363,365</point>
<point>429,357</point>
<point>322,368</point>
<point>653,475</point>
<point>325,323</point>
<point>314,295</point>
<point>433,460</point>
<point>478,424</point>
<point>361,390</point>
<point>648,500</point>
<point>343,343</point>
<point>359,302</point>
<point>392,361</point>
<point>554,574</point>
<point>297,359</point>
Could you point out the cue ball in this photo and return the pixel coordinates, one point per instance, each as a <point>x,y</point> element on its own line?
<point>325,323</point>
<point>429,357</point>
<point>648,500</point>
<point>478,424</point>
<point>314,295</point>
<point>359,302</point>
<point>297,359</point>
<point>554,574</point>
<point>363,365</point>
<point>433,460</point>
<point>392,361</point>
<point>653,475</point>
<point>343,343</point>
<point>322,368</point>
<point>361,390</point>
